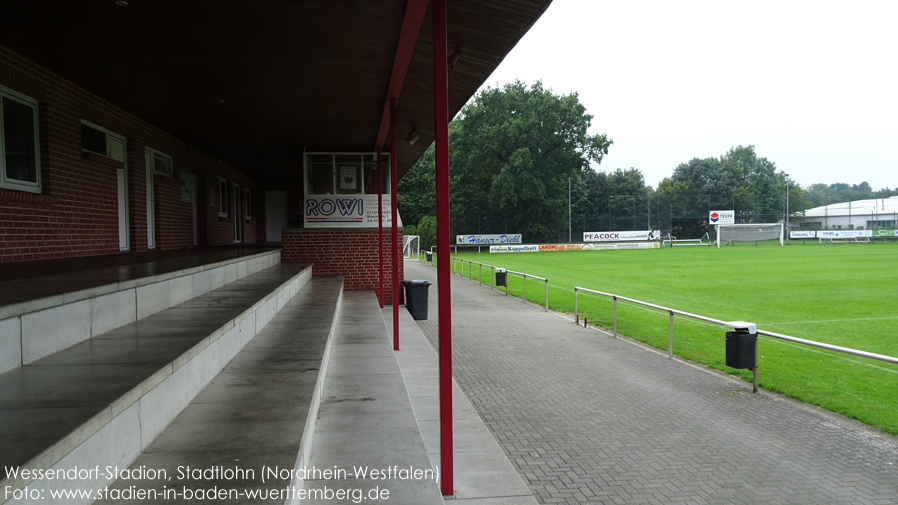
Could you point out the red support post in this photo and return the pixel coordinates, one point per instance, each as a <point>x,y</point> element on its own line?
<point>394,213</point>
<point>441,129</point>
<point>380,227</point>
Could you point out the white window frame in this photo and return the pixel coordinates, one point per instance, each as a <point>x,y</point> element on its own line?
<point>363,161</point>
<point>32,187</point>
<point>247,204</point>
<point>223,188</point>
<point>109,137</point>
<point>166,159</point>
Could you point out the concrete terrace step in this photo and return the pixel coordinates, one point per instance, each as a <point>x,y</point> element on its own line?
<point>100,402</point>
<point>43,315</point>
<point>259,412</point>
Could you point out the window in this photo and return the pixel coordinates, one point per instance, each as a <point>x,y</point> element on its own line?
<point>98,140</point>
<point>345,174</point>
<point>19,150</point>
<point>222,197</point>
<point>248,204</point>
<point>162,164</point>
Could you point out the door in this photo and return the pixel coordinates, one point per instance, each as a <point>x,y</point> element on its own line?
<point>151,202</point>
<point>188,195</point>
<point>117,152</point>
<point>238,215</point>
<point>275,215</point>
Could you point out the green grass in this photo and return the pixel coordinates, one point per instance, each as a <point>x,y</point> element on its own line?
<point>845,295</point>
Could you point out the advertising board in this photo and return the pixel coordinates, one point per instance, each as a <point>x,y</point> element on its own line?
<point>619,236</point>
<point>513,248</point>
<point>345,211</point>
<point>722,217</point>
<point>506,238</point>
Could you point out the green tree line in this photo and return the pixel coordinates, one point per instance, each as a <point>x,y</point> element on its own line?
<point>521,162</point>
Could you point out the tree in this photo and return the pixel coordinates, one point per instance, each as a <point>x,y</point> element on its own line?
<point>417,190</point>
<point>512,152</point>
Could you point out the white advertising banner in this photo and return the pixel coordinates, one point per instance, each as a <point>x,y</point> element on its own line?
<point>844,233</point>
<point>513,248</point>
<point>507,238</point>
<point>619,236</point>
<point>345,211</point>
<point>618,245</point>
<point>803,234</point>
<point>722,217</point>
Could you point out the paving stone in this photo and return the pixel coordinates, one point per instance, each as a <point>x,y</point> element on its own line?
<point>587,418</point>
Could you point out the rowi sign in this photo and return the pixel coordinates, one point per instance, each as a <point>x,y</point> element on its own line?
<point>508,238</point>
<point>619,236</point>
<point>344,211</point>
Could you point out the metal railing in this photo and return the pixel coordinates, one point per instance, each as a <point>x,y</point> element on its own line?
<point>672,312</point>
<point>525,276</point>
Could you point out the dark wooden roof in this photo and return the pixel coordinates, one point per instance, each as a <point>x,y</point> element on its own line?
<point>255,82</point>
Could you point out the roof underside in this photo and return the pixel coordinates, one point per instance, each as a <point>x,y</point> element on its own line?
<point>254,83</point>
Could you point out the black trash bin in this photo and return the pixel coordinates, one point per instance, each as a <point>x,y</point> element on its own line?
<point>501,277</point>
<point>742,349</point>
<point>429,256</point>
<point>416,298</point>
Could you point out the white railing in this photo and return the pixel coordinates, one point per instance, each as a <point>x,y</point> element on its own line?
<point>672,312</point>
<point>493,269</point>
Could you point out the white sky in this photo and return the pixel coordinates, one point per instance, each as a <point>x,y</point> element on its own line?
<point>813,85</point>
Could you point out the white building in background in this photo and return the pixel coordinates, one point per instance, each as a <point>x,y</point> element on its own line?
<point>876,214</point>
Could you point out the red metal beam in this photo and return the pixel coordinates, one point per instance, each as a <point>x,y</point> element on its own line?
<point>394,215</point>
<point>408,39</point>
<point>441,128</point>
<point>380,226</point>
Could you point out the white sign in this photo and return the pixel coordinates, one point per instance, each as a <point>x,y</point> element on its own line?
<point>347,178</point>
<point>513,248</point>
<point>488,239</point>
<point>617,245</point>
<point>844,233</point>
<point>617,236</point>
<point>345,211</point>
<point>802,234</point>
<point>722,217</point>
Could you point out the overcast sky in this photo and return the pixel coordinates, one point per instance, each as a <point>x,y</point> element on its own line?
<point>813,85</point>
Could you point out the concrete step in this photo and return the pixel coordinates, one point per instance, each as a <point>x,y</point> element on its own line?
<point>39,317</point>
<point>257,415</point>
<point>99,403</point>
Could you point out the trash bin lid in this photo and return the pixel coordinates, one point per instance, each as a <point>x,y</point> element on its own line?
<point>416,282</point>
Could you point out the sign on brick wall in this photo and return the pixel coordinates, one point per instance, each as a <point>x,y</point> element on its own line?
<point>345,211</point>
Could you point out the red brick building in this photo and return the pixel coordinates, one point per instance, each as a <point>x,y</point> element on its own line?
<point>131,126</point>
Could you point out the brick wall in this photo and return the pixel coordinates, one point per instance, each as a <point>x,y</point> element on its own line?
<point>76,213</point>
<point>352,253</point>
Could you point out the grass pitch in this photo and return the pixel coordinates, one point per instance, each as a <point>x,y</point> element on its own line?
<point>845,294</point>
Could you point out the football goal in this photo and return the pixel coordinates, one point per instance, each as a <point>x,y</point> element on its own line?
<point>411,246</point>
<point>728,234</point>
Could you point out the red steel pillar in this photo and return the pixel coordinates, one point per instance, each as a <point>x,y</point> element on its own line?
<point>380,228</point>
<point>441,129</point>
<point>394,212</point>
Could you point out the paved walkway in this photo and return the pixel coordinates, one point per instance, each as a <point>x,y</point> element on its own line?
<point>587,418</point>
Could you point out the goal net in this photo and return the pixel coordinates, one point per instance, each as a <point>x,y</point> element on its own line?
<point>411,246</point>
<point>754,232</point>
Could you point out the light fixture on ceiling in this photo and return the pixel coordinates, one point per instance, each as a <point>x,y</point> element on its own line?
<point>453,58</point>
<point>122,3</point>
<point>412,136</point>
